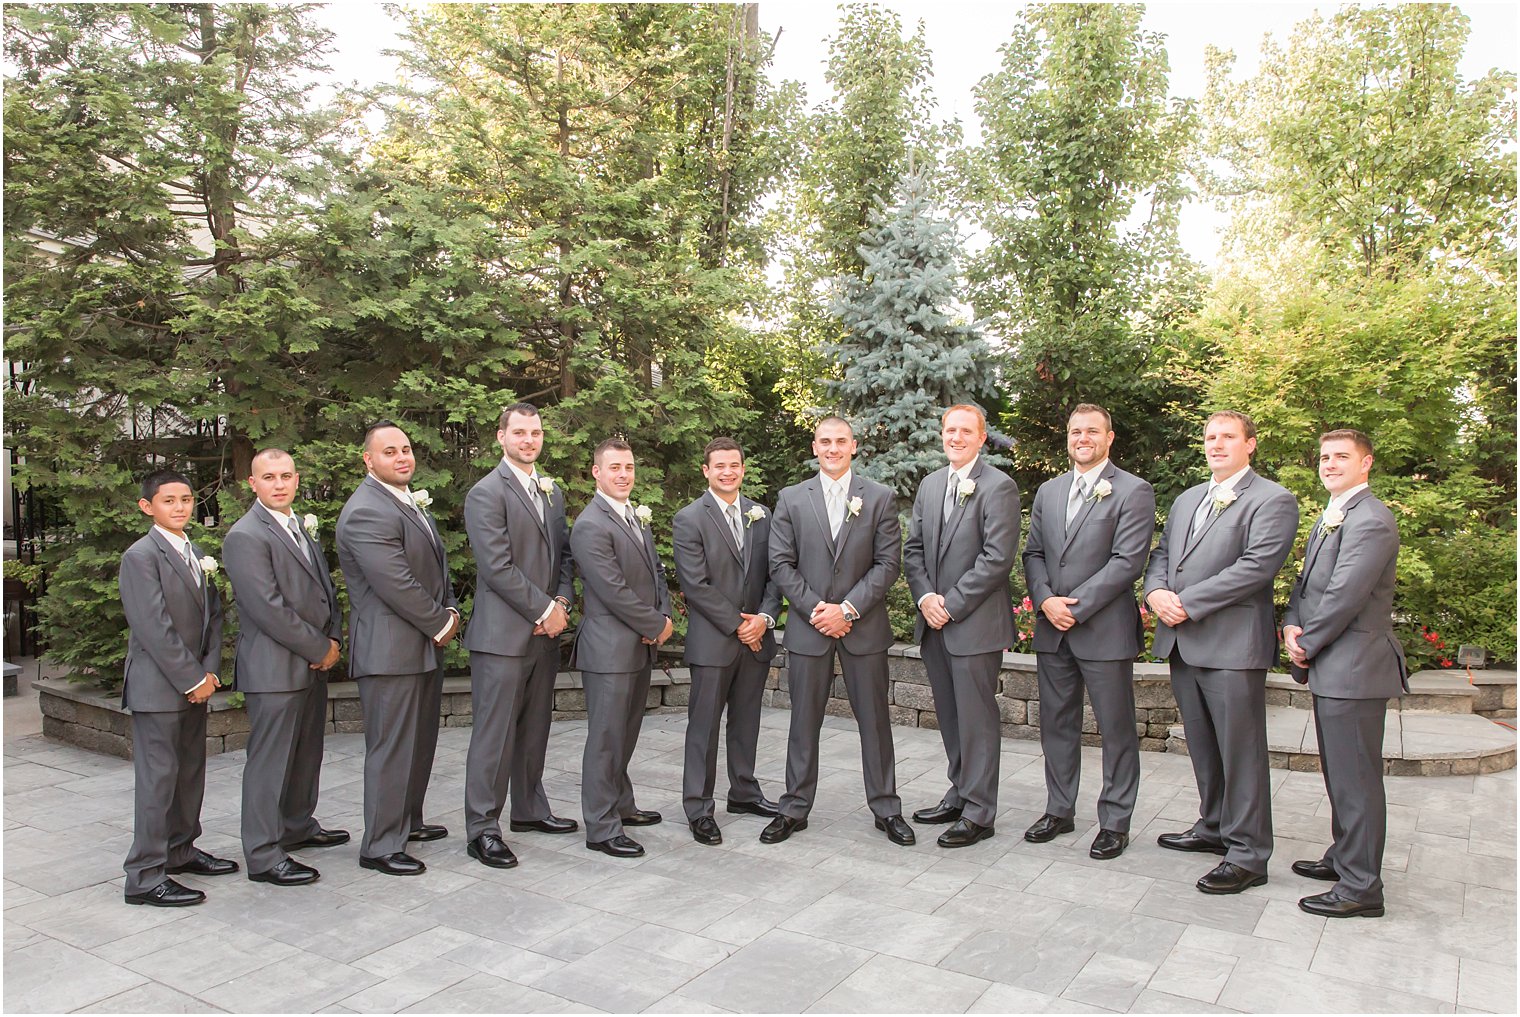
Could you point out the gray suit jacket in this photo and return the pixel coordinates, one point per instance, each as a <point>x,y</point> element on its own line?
<point>625,600</point>
<point>176,629</point>
<point>521,564</point>
<point>398,584</point>
<point>287,607</point>
<point>1343,600</point>
<point>719,581</point>
<point>1224,575</point>
<point>1097,562</point>
<point>811,567</point>
<point>968,560</point>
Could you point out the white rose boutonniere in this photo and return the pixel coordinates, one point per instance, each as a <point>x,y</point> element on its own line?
<point>1224,497</point>
<point>853,506</point>
<point>310,524</point>
<point>1333,518</point>
<point>1102,489</point>
<point>643,514</point>
<point>209,565</point>
<point>421,498</point>
<point>545,485</point>
<point>965,489</point>
<point>753,516</point>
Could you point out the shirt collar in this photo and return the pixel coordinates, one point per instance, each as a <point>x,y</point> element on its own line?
<point>723,505</point>
<point>1339,501</point>
<point>401,494</point>
<point>525,479</point>
<point>180,544</point>
<point>1230,481</point>
<point>283,518</point>
<point>965,471</point>
<point>843,481</point>
<point>1092,471</point>
<point>618,507</point>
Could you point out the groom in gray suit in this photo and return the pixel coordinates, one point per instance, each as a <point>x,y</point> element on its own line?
<point>402,614</point>
<point>290,626</point>
<point>961,547</point>
<point>836,548</point>
<point>1210,584</point>
<point>1089,534</point>
<point>515,517</point>
<point>174,654</point>
<point>625,619</point>
<point>1339,635</point>
<point>722,557</point>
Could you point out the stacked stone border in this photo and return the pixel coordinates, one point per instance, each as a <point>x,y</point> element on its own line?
<point>90,718</point>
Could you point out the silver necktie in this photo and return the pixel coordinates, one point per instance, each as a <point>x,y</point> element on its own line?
<point>836,507</point>
<point>733,524</point>
<point>295,533</point>
<point>952,483</point>
<point>1074,503</point>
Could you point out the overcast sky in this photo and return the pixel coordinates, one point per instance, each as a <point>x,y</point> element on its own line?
<point>964,36</point>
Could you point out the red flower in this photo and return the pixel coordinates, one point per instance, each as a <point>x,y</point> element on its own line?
<point>1445,662</point>
<point>1028,604</point>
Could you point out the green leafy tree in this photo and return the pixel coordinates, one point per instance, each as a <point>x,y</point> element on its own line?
<point>906,355</point>
<point>1077,183</point>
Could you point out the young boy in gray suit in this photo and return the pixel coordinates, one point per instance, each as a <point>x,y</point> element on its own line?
<point>174,651</point>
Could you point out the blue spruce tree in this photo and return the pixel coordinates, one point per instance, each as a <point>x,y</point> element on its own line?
<point>908,354</point>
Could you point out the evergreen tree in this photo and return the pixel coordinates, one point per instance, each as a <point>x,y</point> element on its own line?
<point>906,355</point>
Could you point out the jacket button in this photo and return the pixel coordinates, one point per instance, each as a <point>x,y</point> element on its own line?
<point>1063,563</point>
<point>836,572</point>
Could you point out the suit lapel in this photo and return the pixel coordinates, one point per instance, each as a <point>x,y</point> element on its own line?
<point>178,565</point>
<point>961,505</point>
<point>1240,488</point>
<point>821,513</point>
<point>409,515</point>
<point>307,561</point>
<point>509,477</point>
<point>934,520</point>
<point>1317,543</point>
<point>641,541</point>
<point>1087,506</point>
<point>857,486</point>
<point>725,533</point>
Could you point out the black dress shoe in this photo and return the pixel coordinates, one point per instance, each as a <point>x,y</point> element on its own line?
<point>940,813</point>
<point>780,828</point>
<point>320,839</point>
<point>549,824</point>
<point>1190,841</point>
<point>286,872</point>
<point>1108,844</point>
<point>490,849</point>
<point>643,817</point>
<point>167,894</point>
<point>203,864</point>
<point>1316,870</point>
<point>963,833</point>
<point>1333,905</point>
<point>618,847</point>
<point>897,831</point>
<point>764,807</point>
<point>705,831</point>
<point>1228,877</point>
<point>397,864</point>
<point>428,831</point>
<point>1048,827</point>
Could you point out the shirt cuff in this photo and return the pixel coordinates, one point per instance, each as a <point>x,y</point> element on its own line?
<point>770,622</point>
<point>924,598</point>
<point>547,612</point>
<point>849,610</point>
<point>452,615</point>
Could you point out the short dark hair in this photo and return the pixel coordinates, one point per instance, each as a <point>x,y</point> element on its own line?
<point>381,425</point>
<point>721,445</point>
<point>834,418</point>
<point>526,409</point>
<point>1358,438</point>
<point>1246,423</point>
<point>158,478</point>
<point>609,445</point>
<point>271,453</point>
<point>1108,421</point>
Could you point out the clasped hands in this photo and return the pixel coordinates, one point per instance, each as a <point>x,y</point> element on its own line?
<point>665,633</point>
<point>1168,607</point>
<point>450,632</point>
<point>932,607</point>
<point>202,692</point>
<point>1296,653</point>
<point>829,619</point>
<point>751,630</point>
<point>556,622</point>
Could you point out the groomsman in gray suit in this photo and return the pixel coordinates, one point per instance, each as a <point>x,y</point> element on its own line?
<point>1339,635</point>
<point>961,547</point>
<point>722,557</point>
<point>1089,534</point>
<point>625,619</point>
<point>402,612</point>
<point>290,627</point>
<point>515,517</point>
<point>1210,584</point>
<point>836,548</point>
<point>174,651</point>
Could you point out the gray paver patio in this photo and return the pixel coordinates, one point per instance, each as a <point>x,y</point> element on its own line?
<point>835,920</point>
